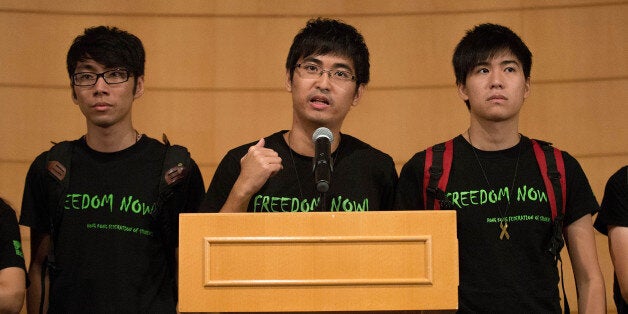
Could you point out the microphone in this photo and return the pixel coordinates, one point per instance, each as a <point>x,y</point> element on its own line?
<point>322,166</point>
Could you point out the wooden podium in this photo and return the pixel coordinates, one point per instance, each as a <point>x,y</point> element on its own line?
<point>327,261</point>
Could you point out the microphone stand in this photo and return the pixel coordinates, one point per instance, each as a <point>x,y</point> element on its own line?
<point>322,205</point>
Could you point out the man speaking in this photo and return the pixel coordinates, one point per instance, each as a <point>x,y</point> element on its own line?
<point>327,70</point>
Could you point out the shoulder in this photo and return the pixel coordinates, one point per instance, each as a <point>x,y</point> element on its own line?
<point>7,215</point>
<point>620,177</point>
<point>418,159</point>
<point>272,141</point>
<point>352,144</point>
<point>575,176</point>
<point>58,150</point>
<point>5,210</point>
<point>569,160</point>
<point>616,190</point>
<point>152,143</point>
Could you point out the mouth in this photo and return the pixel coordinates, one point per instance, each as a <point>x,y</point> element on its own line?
<point>497,97</point>
<point>320,101</point>
<point>101,106</point>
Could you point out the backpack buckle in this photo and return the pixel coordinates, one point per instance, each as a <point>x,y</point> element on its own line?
<point>175,173</point>
<point>553,175</point>
<point>56,169</point>
<point>436,172</point>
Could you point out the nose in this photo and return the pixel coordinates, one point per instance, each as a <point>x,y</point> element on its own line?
<point>100,86</point>
<point>324,79</point>
<point>496,80</point>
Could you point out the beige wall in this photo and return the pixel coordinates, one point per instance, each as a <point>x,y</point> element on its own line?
<point>215,75</point>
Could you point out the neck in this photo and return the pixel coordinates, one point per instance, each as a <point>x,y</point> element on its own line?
<point>492,137</point>
<point>108,140</point>
<point>300,141</point>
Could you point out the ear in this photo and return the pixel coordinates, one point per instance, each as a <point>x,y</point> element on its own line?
<point>462,92</point>
<point>74,95</point>
<point>288,81</point>
<point>527,90</point>
<point>358,94</point>
<point>139,87</point>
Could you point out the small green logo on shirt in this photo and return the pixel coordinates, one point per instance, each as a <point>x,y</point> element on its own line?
<point>18,248</point>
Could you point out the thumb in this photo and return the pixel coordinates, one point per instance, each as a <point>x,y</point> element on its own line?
<point>260,143</point>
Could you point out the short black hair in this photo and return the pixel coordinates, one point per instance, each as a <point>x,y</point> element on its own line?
<point>109,46</point>
<point>328,36</point>
<point>482,43</point>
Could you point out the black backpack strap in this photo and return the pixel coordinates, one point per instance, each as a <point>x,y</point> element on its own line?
<point>174,175</point>
<point>172,196</point>
<point>58,164</point>
<point>552,166</point>
<point>438,160</point>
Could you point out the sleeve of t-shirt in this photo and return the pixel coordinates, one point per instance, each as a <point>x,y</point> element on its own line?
<point>409,193</point>
<point>580,198</point>
<point>614,208</point>
<point>11,254</point>
<point>34,211</point>
<point>390,179</point>
<point>195,189</point>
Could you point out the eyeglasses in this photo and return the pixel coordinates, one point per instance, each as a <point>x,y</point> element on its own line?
<point>314,71</point>
<point>116,76</point>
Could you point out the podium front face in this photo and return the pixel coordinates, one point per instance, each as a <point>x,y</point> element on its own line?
<point>328,261</point>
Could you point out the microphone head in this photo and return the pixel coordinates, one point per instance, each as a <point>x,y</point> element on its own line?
<point>322,132</point>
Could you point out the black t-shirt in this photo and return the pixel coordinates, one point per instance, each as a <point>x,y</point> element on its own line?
<point>11,254</point>
<point>614,212</point>
<point>507,275</point>
<point>109,252</point>
<point>363,179</point>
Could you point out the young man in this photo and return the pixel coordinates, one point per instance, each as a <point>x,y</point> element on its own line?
<point>107,242</point>
<point>613,222</point>
<point>495,185</point>
<point>327,70</point>
<point>12,268</point>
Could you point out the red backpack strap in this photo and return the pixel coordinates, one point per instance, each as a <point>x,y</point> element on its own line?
<point>429,156</point>
<point>438,159</point>
<point>552,166</point>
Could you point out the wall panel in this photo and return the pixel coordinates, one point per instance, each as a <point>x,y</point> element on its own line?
<point>215,75</point>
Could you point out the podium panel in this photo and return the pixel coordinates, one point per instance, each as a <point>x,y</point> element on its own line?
<point>328,261</point>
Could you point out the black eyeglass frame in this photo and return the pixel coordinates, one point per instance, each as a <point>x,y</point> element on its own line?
<point>103,75</point>
<point>322,70</point>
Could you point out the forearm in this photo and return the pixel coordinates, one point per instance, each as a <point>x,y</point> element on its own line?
<point>580,241</point>
<point>33,297</point>
<point>12,289</point>
<point>238,199</point>
<point>618,246</point>
<point>11,300</point>
<point>591,295</point>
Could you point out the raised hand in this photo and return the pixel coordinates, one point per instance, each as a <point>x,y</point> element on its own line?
<point>259,164</point>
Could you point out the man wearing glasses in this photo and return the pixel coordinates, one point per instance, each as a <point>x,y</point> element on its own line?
<point>327,70</point>
<point>100,243</point>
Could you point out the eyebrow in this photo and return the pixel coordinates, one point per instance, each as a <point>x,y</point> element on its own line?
<point>85,67</point>
<point>333,66</point>
<point>505,62</point>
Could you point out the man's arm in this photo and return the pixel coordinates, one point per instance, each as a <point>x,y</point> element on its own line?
<point>40,247</point>
<point>12,289</point>
<point>257,166</point>
<point>618,246</point>
<point>583,256</point>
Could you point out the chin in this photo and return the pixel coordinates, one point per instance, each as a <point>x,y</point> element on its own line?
<point>102,123</point>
